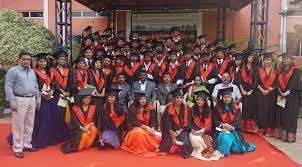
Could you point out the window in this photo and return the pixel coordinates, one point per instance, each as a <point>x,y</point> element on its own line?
<point>25,14</point>
<point>85,14</point>
<point>89,14</point>
<point>76,14</point>
<point>36,14</point>
<point>33,14</point>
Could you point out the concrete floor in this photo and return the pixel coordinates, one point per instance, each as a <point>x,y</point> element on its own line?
<point>293,150</point>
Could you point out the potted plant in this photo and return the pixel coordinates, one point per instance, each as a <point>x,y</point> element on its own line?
<point>3,103</point>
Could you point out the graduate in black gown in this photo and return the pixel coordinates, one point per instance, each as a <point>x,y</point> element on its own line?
<point>227,118</point>
<point>97,80</point>
<point>83,130</point>
<point>266,78</point>
<point>289,87</point>
<point>247,86</point>
<point>111,121</point>
<point>176,126</point>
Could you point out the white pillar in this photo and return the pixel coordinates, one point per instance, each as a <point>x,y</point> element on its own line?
<point>199,23</point>
<point>45,13</point>
<point>128,23</point>
<point>284,9</point>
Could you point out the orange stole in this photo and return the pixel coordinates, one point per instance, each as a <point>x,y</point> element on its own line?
<point>247,78</point>
<point>284,78</point>
<point>118,120</point>
<point>267,81</point>
<point>46,79</point>
<point>81,79</point>
<point>228,117</point>
<point>207,124</point>
<point>172,113</point>
<point>61,78</point>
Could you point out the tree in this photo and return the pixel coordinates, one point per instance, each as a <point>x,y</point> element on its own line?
<point>18,33</point>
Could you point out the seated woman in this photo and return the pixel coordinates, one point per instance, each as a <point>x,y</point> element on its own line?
<point>193,88</point>
<point>200,135</point>
<point>227,120</point>
<point>82,123</point>
<point>176,127</point>
<point>111,121</point>
<point>142,139</point>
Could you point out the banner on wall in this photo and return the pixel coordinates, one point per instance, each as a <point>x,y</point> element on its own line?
<point>164,21</point>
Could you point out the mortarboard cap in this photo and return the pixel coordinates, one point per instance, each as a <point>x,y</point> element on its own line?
<point>225,91</point>
<point>78,59</point>
<point>40,56</point>
<point>202,36</point>
<point>267,55</point>
<point>178,91</point>
<point>113,91</point>
<point>87,28</point>
<point>139,93</point>
<point>60,53</point>
<point>87,92</point>
<point>201,91</point>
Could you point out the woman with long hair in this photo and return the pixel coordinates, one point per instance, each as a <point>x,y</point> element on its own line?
<point>97,80</point>
<point>287,116</point>
<point>142,139</point>
<point>111,122</point>
<point>227,123</point>
<point>266,77</point>
<point>176,126</point>
<point>247,86</point>
<point>201,132</point>
<point>83,131</point>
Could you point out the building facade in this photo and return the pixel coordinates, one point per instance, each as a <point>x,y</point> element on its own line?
<point>237,24</point>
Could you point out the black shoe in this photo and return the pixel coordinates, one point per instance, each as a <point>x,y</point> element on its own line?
<point>19,154</point>
<point>30,149</point>
<point>187,156</point>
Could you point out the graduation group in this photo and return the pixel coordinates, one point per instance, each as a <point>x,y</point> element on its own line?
<point>164,94</point>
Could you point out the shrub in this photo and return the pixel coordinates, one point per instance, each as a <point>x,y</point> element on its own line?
<point>18,33</point>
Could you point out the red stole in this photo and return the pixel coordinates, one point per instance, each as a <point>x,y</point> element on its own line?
<point>284,78</point>
<point>46,79</point>
<point>172,71</point>
<point>98,80</point>
<point>162,69</point>
<point>145,118</point>
<point>223,67</point>
<point>247,78</point>
<point>172,113</point>
<point>85,120</point>
<point>206,73</point>
<point>81,79</point>
<point>106,72</point>
<point>207,124</point>
<point>61,79</point>
<point>119,69</point>
<point>228,117</point>
<point>189,71</point>
<point>267,81</point>
<point>117,120</point>
<point>151,68</point>
<point>131,71</point>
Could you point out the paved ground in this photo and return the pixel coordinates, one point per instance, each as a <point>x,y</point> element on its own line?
<point>293,150</point>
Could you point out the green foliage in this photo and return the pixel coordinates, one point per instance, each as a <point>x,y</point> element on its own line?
<point>18,33</point>
<point>3,103</point>
<point>239,42</point>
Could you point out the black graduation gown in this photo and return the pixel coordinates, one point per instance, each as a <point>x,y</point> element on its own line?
<point>169,124</point>
<point>207,74</point>
<point>236,122</point>
<point>266,104</point>
<point>105,122</point>
<point>248,102</point>
<point>189,73</point>
<point>99,101</point>
<point>70,87</point>
<point>135,76</point>
<point>75,132</point>
<point>177,72</point>
<point>287,117</point>
<point>133,122</point>
<point>206,121</point>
